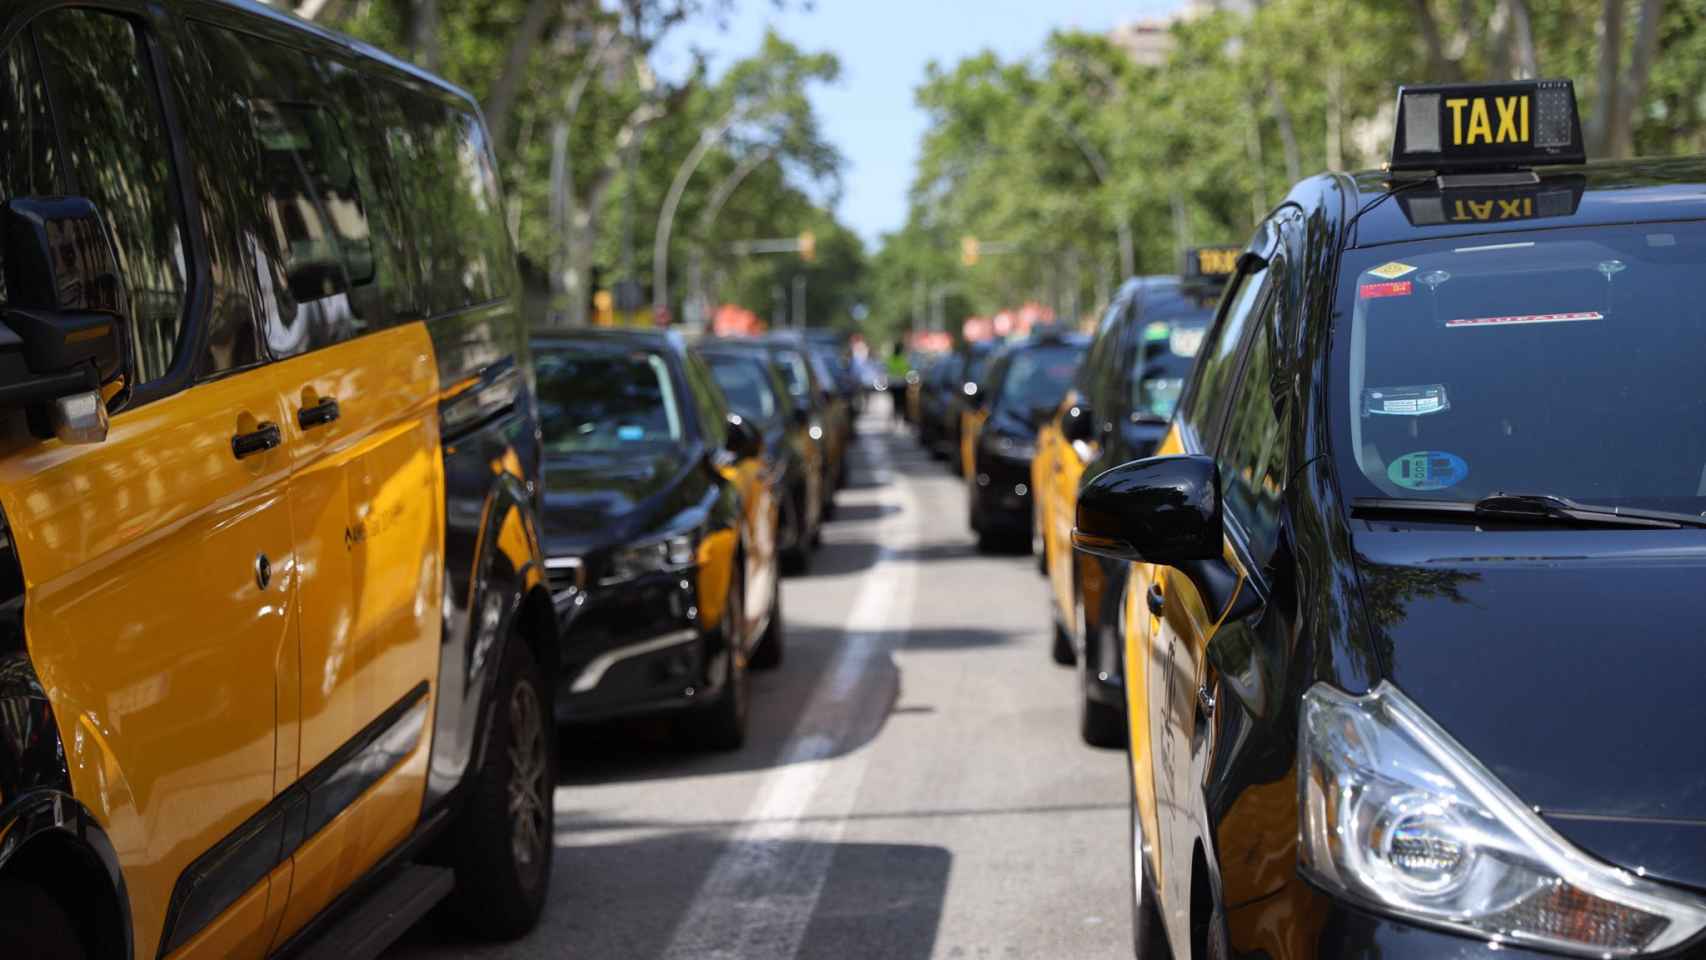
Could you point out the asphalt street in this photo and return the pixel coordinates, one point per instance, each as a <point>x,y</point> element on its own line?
<point>913,785</point>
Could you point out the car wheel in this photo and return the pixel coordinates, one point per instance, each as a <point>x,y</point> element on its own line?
<point>1063,653</point>
<point>722,724</point>
<point>796,556</point>
<point>501,849</point>
<point>34,925</point>
<point>1148,937</point>
<point>768,655</point>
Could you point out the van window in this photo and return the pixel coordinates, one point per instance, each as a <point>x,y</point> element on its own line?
<point>451,198</point>
<point>29,158</point>
<point>314,256</point>
<point>118,155</point>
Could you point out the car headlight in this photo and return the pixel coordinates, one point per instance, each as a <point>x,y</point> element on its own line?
<point>1398,817</point>
<point>1015,448</point>
<point>657,556</point>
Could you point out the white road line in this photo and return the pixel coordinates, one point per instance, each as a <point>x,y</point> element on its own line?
<point>760,896</point>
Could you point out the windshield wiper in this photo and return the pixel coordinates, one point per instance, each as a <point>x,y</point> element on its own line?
<point>1542,508</point>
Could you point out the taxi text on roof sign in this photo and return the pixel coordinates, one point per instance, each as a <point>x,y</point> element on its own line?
<point>1211,264</point>
<point>1556,196</point>
<point>1463,126</point>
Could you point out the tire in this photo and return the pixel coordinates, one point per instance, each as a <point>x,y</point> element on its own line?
<point>502,855</point>
<point>796,556</point>
<point>1063,653</point>
<point>768,655</point>
<point>33,924</point>
<point>721,725</point>
<point>1148,937</point>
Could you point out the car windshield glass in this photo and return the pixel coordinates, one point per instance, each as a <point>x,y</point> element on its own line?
<point>1036,379</point>
<point>1562,362</point>
<point>976,364</point>
<point>1167,348</point>
<point>744,382</point>
<point>593,399</point>
<point>794,372</point>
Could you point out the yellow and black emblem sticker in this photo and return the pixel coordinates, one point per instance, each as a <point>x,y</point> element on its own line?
<point>1392,270</point>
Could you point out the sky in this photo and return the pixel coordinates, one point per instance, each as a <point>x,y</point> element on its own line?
<point>884,46</point>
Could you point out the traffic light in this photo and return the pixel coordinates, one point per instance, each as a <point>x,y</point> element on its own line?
<point>808,246</point>
<point>968,251</point>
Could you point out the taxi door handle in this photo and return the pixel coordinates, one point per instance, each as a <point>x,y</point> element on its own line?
<point>1157,600</point>
<point>259,440</point>
<point>320,413</point>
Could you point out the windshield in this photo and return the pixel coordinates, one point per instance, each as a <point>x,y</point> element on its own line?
<point>794,373</point>
<point>976,364</point>
<point>1566,362</point>
<point>744,381</point>
<point>596,399</point>
<point>1166,350</point>
<point>1036,379</point>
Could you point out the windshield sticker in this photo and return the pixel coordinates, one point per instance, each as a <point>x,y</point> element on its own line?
<point>1399,288</point>
<point>1392,271</point>
<point>1154,332</point>
<point>1414,401</point>
<point>1427,470</point>
<point>630,433</point>
<point>1525,318</point>
<point>1185,341</point>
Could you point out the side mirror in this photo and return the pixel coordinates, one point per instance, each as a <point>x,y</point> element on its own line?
<point>1078,422</point>
<point>744,440</point>
<point>63,330</point>
<point>975,397</point>
<point>802,416</point>
<point>1166,511</point>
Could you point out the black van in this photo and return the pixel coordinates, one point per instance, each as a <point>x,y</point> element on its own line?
<point>275,630</point>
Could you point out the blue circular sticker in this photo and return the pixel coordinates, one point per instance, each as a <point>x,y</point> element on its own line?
<point>1427,470</point>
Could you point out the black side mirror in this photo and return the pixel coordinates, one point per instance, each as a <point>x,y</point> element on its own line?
<point>975,397</point>
<point>1078,422</point>
<point>744,440</point>
<point>63,330</point>
<point>1166,511</point>
<point>803,416</point>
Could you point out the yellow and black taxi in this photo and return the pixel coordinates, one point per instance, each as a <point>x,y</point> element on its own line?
<point>1410,650</point>
<point>1026,380</point>
<point>660,533</point>
<point>831,419</point>
<point>275,630</point>
<point>752,379</point>
<point>965,404</point>
<point>1138,363</point>
<point>936,390</point>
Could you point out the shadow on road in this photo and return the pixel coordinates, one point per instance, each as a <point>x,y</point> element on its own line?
<point>628,899</point>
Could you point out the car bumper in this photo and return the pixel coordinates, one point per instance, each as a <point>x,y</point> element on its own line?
<point>635,647</point>
<point>1301,921</point>
<point>1003,491</point>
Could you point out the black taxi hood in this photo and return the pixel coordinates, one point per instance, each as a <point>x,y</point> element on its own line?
<point>594,499</point>
<point>1572,664</point>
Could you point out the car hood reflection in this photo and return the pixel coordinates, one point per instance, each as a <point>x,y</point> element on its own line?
<point>1568,663</point>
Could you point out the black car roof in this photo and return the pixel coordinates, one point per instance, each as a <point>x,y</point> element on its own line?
<point>614,336</point>
<point>1612,192</point>
<point>355,47</point>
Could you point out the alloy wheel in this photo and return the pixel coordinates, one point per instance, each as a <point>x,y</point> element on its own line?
<point>527,763</point>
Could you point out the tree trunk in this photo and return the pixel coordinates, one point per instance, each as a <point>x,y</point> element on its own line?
<point>1335,116</point>
<point>1635,83</point>
<point>521,43</point>
<point>423,34</point>
<point>1522,39</point>
<point>1440,67</point>
<point>1605,115</point>
<point>1288,136</point>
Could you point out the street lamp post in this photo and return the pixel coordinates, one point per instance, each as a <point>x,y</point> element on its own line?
<point>708,138</point>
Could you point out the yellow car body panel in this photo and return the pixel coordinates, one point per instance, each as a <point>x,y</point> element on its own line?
<point>166,663</point>
<point>971,424</point>
<point>192,680</point>
<point>1055,477</point>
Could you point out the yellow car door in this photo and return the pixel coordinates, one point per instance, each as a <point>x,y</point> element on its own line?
<point>160,574</point>
<point>361,431</point>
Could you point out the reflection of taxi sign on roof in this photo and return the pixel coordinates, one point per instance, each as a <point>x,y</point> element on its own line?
<point>1465,126</point>
<point>1211,265</point>
<point>1430,207</point>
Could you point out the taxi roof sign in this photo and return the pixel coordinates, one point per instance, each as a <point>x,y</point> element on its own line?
<point>1211,265</point>
<point>1481,126</point>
